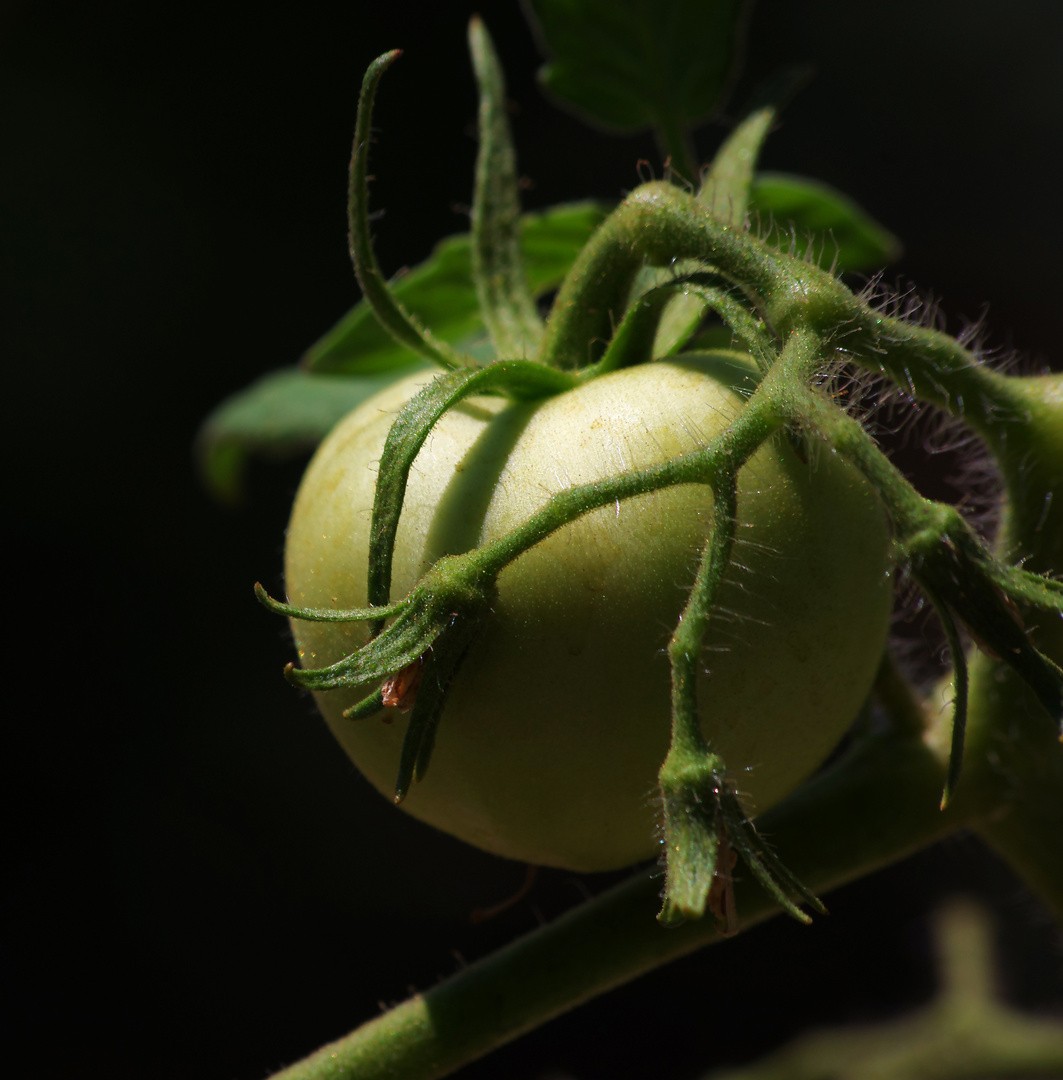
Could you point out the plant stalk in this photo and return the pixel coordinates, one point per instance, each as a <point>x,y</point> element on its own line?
<point>875,807</point>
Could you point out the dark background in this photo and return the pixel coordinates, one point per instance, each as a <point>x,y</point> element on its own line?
<point>197,882</point>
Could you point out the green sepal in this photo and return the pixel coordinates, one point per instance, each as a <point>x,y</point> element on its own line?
<point>454,593</point>
<point>440,293</point>
<point>405,640</point>
<point>282,415</point>
<point>635,339</point>
<point>434,626</point>
<point>367,707</point>
<point>441,664</point>
<point>506,301</point>
<point>702,817</point>
<point>405,328</point>
<point>518,379</point>
<point>773,876</point>
<point>824,224</point>
<point>292,611</point>
<point>954,567</point>
<point>633,64</point>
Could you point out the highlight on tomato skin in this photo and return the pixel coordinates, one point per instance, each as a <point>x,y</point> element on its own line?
<point>558,721</point>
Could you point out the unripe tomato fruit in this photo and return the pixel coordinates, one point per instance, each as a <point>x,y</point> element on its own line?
<point>559,719</point>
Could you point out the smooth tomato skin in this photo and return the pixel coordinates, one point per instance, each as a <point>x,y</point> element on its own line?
<point>555,728</point>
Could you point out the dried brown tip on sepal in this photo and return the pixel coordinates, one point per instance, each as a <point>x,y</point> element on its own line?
<point>399,691</point>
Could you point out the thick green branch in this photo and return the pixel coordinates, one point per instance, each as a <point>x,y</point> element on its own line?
<point>656,225</point>
<point>877,807</point>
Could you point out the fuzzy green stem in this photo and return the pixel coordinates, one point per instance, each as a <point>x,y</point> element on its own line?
<point>934,367</point>
<point>684,650</point>
<point>746,432</point>
<point>1031,459</point>
<point>943,553</point>
<point>656,224</point>
<point>876,807</point>
<point>692,777</point>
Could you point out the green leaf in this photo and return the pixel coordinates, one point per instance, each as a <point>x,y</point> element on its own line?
<point>841,234</point>
<point>633,64</point>
<point>283,414</point>
<point>441,294</point>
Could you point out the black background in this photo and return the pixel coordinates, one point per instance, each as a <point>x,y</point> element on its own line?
<point>197,881</point>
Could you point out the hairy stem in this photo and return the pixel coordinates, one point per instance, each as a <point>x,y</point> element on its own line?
<point>874,808</point>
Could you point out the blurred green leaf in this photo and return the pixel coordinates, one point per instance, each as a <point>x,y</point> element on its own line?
<point>633,64</point>
<point>440,292</point>
<point>285,413</point>
<point>838,231</point>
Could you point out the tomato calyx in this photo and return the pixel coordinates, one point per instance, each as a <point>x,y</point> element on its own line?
<point>430,635</point>
<point>705,826</point>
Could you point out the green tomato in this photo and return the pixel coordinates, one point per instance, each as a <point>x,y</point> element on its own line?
<point>559,719</point>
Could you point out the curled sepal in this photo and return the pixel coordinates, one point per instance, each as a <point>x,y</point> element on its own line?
<point>391,315</point>
<point>956,569</point>
<point>324,614</point>
<point>454,593</point>
<point>728,181</point>
<point>497,263</point>
<point>633,342</point>
<point>519,379</point>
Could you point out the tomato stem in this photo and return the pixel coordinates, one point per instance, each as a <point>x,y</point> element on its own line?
<point>876,806</point>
